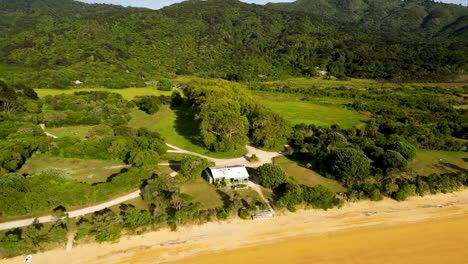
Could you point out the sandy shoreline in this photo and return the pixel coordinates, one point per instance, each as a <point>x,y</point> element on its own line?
<point>164,245</point>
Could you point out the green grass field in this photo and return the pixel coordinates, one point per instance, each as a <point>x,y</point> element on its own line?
<point>179,129</point>
<point>89,171</point>
<point>436,161</point>
<point>324,83</point>
<point>204,193</point>
<point>306,176</point>
<point>128,93</point>
<point>296,112</point>
<point>78,131</point>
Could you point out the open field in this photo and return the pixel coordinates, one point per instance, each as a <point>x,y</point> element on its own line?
<point>127,93</point>
<point>297,112</point>
<point>361,83</point>
<point>77,131</point>
<point>89,171</point>
<point>325,83</point>
<point>437,161</point>
<point>206,194</point>
<point>306,176</point>
<point>179,129</point>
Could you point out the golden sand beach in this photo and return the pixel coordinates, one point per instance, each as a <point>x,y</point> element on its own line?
<point>430,229</point>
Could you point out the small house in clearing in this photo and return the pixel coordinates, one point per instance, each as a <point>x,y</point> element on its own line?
<point>234,175</point>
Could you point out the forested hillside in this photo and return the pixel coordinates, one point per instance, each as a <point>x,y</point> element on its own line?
<point>421,17</point>
<point>122,47</point>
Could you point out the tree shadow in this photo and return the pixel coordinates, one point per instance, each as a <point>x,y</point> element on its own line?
<point>186,125</point>
<point>112,176</point>
<point>445,165</point>
<point>174,165</point>
<point>225,198</point>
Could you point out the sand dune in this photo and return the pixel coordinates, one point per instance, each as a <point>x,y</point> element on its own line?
<point>363,232</point>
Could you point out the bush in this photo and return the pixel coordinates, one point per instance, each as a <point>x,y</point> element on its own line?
<point>253,158</point>
<point>245,214</point>
<point>165,85</point>
<point>270,175</point>
<point>222,214</point>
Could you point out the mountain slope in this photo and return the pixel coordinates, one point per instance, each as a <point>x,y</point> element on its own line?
<point>423,17</point>
<point>215,38</point>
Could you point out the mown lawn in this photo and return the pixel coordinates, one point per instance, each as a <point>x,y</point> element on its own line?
<point>306,176</point>
<point>127,93</point>
<point>77,131</point>
<point>89,171</point>
<point>179,129</point>
<point>206,194</point>
<point>436,161</point>
<point>296,112</point>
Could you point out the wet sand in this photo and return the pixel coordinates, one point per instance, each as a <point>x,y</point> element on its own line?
<point>430,229</point>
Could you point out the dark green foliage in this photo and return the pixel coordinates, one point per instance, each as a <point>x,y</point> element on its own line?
<point>193,167</point>
<point>107,226</point>
<point>349,165</point>
<point>269,129</point>
<point>21,195</point>
<point>393,159</point>
<point>222,214</point>
<point>320,197</point>
<point>227,114</point>
<point>416,40</point>
<point>85,108</point>
<point>407,150</point>
<point>165,85</point>
<point>134,217</point>
<point>151,104</point>
<point>31,239</point>
<point>270,175</point>
<point>405,191</point>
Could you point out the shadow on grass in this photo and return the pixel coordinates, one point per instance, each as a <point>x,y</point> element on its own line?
<point>186,125</point>
<point>225,198</point>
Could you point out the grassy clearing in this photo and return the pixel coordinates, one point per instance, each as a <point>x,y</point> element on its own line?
<point>79,131</point>
<point>324,83</point>
<point>179,129</point>
<point>128,93</point>
<point>296,112</point>
<point>306,176</point>
<point>205,193</point>
<point>436,161</point>
<point>89,171</point>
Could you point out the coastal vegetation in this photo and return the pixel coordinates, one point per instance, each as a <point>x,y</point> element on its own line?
<point>211,77</point>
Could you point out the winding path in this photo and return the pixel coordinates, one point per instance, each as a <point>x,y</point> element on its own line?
<point>263,156</point>
<point>71,214</point>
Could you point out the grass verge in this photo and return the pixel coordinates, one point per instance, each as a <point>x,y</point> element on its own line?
<point>306,176</point>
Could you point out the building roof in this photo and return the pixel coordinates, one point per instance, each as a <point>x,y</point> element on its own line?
<point>238,172</point>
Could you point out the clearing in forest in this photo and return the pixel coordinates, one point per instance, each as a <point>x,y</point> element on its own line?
<point>306,176</point>
<point>437,161</point>
<point>179,128</point>
<point>84,170</point>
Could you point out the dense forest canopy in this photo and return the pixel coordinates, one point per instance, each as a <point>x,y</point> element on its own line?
<point>121,47</point>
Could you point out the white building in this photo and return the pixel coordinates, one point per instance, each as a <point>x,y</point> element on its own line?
<point>235,174</point>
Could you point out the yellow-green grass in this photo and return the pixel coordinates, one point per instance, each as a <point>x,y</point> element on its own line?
<point>306,176</point>
<point>179,129</point>
<point>296,112</point>
<point>204,193</point>
<point>89,171</point>
<point>436,161</point>
<point>77,131</point>
<point>136,202</point>
<point>328,83</point>
<point>127,93</point>
<point>166,169</point>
